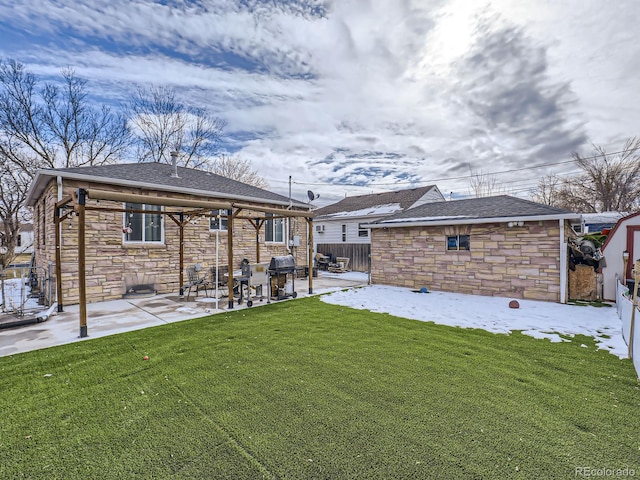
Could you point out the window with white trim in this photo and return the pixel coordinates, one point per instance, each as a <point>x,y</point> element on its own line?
<point>362,232</point>
<point>344,232</point>
<point>142,227</point>
<point>274,229</point>
<point>218,221</point>
<point>458,242</point>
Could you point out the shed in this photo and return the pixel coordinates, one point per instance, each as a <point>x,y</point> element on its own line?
<point>494,246</point>
<point>625,236</point>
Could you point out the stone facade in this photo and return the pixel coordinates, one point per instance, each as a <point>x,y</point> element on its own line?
<point>518,262</point>
<point>112,264</point>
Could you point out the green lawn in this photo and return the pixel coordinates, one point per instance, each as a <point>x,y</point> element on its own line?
<point>302,389</point>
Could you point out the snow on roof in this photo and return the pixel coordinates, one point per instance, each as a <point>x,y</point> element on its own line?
<point>425,219</point>
<point>602,217</point>
<point>386,209</point>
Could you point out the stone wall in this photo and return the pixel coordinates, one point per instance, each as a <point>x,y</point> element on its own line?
<point>111,263</point>
<point>518,262</point>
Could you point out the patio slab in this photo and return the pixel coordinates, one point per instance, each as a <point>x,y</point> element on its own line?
<point>117,316</point>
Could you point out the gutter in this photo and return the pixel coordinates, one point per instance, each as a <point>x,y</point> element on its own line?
<point>150,186</point>
<point>468,221</point>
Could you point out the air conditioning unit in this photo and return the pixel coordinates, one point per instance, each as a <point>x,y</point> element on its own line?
<point>320,228</point>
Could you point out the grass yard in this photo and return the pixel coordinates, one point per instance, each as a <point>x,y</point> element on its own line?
<point>306,390</point>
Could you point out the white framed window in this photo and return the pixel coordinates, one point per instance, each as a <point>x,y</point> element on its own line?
<point>458,242</point>
<point>362,232</point>
<point>343,228</point>
<point>142,227</point>
<point>274,229</point>
<point>218,221</point>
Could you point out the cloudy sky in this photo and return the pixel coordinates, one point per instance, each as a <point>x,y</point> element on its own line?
<point>359,96</point>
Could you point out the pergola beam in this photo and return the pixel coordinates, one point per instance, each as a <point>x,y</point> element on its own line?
<point>79,200</point>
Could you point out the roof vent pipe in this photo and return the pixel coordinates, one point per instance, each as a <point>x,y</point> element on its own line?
<point>174,164</point>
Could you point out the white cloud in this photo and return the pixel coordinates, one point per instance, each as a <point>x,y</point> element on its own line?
<point>369,90</point>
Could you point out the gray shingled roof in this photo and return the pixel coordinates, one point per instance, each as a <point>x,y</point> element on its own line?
<point>405,198</point>
<point>160,175</point>
<point>503,206</point>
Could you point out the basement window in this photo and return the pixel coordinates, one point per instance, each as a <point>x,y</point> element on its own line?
<point>458,242</point>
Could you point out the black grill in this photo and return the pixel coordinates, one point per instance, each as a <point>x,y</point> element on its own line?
<point>282,277</point>
<point>282,264</point>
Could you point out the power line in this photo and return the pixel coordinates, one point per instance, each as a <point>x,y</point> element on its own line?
<point>462,177</point>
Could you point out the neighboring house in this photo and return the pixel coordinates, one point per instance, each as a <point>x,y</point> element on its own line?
<point>494,246</point>
<point>144,220</point>
<point>625,236</point>
<point>597,222</point>
<point>339,228</point>
<point>24,243</point>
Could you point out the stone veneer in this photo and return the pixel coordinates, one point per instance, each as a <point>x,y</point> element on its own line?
<point>518,262</point>
<point>110,263</point>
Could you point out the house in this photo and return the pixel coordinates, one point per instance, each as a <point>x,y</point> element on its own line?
<point>625,237</point>
<point>597,222</point>
<point>494,246</point>
<point>110,229</point>
<point>339,227</point>
<point>24,242</point>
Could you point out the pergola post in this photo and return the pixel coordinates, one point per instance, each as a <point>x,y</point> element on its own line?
<point>181,274</point>
<point>230,255</point>
<point>82,278</point>
<point>310,254</point>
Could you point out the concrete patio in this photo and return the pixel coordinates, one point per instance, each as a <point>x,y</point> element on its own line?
<point>117,316</point>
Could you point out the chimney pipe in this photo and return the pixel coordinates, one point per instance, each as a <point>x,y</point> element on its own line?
<point>174,164</point>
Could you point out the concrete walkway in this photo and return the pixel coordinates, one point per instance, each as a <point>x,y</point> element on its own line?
<point>117,316</point>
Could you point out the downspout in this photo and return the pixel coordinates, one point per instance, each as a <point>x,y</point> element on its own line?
<point>288,220</point>
<point>59,181</point>
<point>563,264</point>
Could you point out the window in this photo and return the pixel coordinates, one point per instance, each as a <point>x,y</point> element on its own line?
<point>219,221</point>
<point>458,242</point>
<point>362,232</point>
<point>19,240</point>
<point>274,229</point>
<point>144,227</point>
<point>344,232</point>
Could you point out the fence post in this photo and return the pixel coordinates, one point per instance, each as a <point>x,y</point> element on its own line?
<point>636,275</point>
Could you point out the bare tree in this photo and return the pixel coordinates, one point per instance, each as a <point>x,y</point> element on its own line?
<point>14,184</point>
<point>239,169</point>
<point>548,190</point>
<point>55,126</point>
<point>48,127</point>
<point>484,185</point>
<point>162,124</point>
<point>608,182</point>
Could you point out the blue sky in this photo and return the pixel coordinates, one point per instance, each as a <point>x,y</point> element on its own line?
<point>359,96</point>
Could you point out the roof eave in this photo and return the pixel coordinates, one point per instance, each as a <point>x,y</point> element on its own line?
<point>467,221</point>
<point>33,194</point>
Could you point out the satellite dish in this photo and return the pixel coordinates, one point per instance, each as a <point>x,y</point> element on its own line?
<point>312,196</point>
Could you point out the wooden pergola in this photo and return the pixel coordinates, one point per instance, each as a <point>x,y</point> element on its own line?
<point>186,209</point>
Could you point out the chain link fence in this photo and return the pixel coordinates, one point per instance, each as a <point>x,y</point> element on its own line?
<point>25,290</point>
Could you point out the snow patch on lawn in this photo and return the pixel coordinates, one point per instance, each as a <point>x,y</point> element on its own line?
<point>537,319</point>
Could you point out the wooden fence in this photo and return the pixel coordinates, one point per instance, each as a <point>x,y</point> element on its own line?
<point>358,254</point>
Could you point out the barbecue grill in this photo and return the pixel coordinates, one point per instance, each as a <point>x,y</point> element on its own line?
<point>282,277</point>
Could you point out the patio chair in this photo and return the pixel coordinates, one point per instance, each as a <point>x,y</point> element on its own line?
<point>196,282</point>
